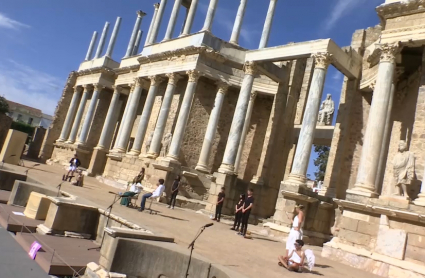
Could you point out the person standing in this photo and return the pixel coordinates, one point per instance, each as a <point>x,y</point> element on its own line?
<point>246,211</point>
<point>174,192</point>
<point>157,193</point>
<point>219,205</point>
<point>74,163</point>
<point>238,213</point>
<point>135,188</point>
<point>296,232</point>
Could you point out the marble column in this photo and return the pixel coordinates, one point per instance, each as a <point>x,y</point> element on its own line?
<point>102,41</point>
<point>155,14</point>
<point>155,147</point>
<point>137,44</point>
<point>120,129</point>
<point>90,114</point>
<point>157,24</point>
<point>190,18</point>
<point>130,116</point>
<point>70,115</point>
<point>210,15</point>
<point>245,130</point>
<point>238,22</point>
<point>173,19</point>
<point>113,38</point>
<point>235,134</point>
<point>79,115</point>
<point>202,164</point>
<point>91,46</point>
<point>298,175</point>
<point>369,159</point>
<point>108,126</point>
<point>136,28</point>
<point>179,130</point>
<point>268,24</point>
<point>146,114</point>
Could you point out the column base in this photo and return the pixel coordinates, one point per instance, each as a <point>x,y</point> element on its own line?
<point>420,201</point>
<point>363,190</point>
<point>117,150</point>
<point>133,153</point>
<point>327,192</point>
<point>152,155</point>
<point>296,180</point>
<point>69,142</point>
<point>257,180</point>
<point>172,159</point>
<point>227,169</point>
<point>60,140</point>
<point>202,168</point>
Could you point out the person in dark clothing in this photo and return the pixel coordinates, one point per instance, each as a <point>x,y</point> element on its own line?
<point>174,192</point>
<point>219,205</point>
<point>246,211</point>
<point>74,163</point>
<point>238,213</point>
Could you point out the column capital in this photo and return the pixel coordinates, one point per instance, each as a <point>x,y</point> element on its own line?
<point>98,87</point>
<point>117,88</point>
<point>138,82</point>
<point>140,14</point>
<point>322,60</point>
<point>253,95</point>
<point>155,80</point>
<point>250,68</point>
<point>389,52</point>
<point>223,87</point>
<point>193,75</point>
<point>77,89</point>
<point>87,87</point>
<point>173,78</point>
<point>156,6</point>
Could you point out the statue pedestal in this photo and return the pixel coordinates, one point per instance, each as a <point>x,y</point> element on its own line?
<point>397,201</point>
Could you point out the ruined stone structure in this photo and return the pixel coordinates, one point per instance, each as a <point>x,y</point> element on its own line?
<point>220,115</point>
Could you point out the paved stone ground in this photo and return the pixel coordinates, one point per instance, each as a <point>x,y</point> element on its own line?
<point>253,258</point>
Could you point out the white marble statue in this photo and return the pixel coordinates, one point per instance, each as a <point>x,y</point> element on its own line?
<point>166,144</point>
<point>403,169</point>
<point>326,112</point>
<point>149,142</point>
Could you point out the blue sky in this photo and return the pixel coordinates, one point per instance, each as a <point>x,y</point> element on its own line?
<point>42,41</point>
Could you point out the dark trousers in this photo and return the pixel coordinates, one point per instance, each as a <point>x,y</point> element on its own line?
<point>173,198</point>
<point>144,197</point>
<point>245,218</point>
<point>124,200</point>
<point>218,211</point>
<point>238,220</point>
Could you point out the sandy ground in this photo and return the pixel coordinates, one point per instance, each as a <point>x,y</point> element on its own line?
<point>253,258</point>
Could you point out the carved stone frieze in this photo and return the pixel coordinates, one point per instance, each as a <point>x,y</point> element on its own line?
<point>104,70</point>
<point>322,60</point>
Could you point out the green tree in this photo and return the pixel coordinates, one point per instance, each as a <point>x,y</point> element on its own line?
<point>4,106</point>
<point>321,161</point>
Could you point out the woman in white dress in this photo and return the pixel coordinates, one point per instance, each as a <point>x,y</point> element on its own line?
<point>295,260</point>
<point>296,231</point>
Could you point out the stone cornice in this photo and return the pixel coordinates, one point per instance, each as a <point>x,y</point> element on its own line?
<point>127,69</point>
<point>386,11</point>
<point>104,70</point>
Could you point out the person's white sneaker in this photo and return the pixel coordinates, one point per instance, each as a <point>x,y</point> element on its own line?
<point>172,208</point>
<point>169,207</point>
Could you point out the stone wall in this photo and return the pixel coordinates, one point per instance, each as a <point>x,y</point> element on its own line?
<point>5,123</point>
<point>37,141</point>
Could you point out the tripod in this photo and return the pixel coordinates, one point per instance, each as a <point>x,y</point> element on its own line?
<point>192,246</point>
<point>116,198</point>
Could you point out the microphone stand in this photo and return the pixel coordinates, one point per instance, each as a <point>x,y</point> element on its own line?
<point>192,246</point>
<point>59,189</point>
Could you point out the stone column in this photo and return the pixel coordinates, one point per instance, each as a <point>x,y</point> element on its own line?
<point>157,24</point>
<point>305,141</point>
<point>113,38</point>
<point>90,114</point>
<point>91,46</point>
<point>176,142</point>
<point>155,13</point>
<point>202,164</point>
<point>130,116</point>
<point>120,129</point>
<point>102,41</point>
<point>136,28</point>
<point>210,15</point>
<point>420,201</point>
<point>173,19</point>
<point>137,44</point>
<point>190,18</point>
<point>268,24</point>
<point>146,114</point>
<point>108,126</point>
<point>369,160</point>
<point>245,130</point>
<point>70,115</point>
<point>238,22</point>
<point>79,116</point>
<point>235,134</point>
<point>155,147</point>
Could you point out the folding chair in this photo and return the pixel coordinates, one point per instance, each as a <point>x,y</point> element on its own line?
<point>150,205</point>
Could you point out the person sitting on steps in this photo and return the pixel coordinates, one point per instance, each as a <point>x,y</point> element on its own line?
<point>74,163</point>
<point>295,260</point>
<point>157,193</point>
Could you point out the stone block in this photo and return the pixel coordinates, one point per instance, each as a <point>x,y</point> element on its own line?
<point>416,240</point>
<point>349,224</point>
<point>21,192</point>
<point>391,242</point>
<point>13,147</point>
<point>354,237</point>
<point>418,229</point>
<point>8,178</point>
<point>397,272</point>
<point>368,228</point>
<point>415,253</point>
<point>37,207</point>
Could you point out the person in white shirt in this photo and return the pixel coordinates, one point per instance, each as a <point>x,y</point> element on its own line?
<point>157,193</point>
<point>135,188</point>
<point>294,261</point>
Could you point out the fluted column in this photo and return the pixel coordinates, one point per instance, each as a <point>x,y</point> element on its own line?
<point>210,15</point>
<point>235,134</point>
<point>157,24</point>
<point>245,130</point>
<point>173,19</point>
<point>113,38</point>
<point>79,116</point>
<point>130,116</point>
<point>155,14</point>
<point>238,22</point>
<point>108,126</point>
<point>176,142</point>
<point>70,115</point>
<point>369,160</point>
<point>102,41</point>
<point>146,114</point>
<point>155,147</point>
<point>91,46</point>
<point>190,18</point>
<point>120,129</point>
<point>137,44</point>
<point>90,114</point>
<point>268,24</point>
<point>212,128</point>
<point>298,175</point>
<point>136,28</point>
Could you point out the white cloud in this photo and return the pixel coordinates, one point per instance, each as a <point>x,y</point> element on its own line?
<point>342,8</point>
<point>25,85</point>
<point>8,23</point>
